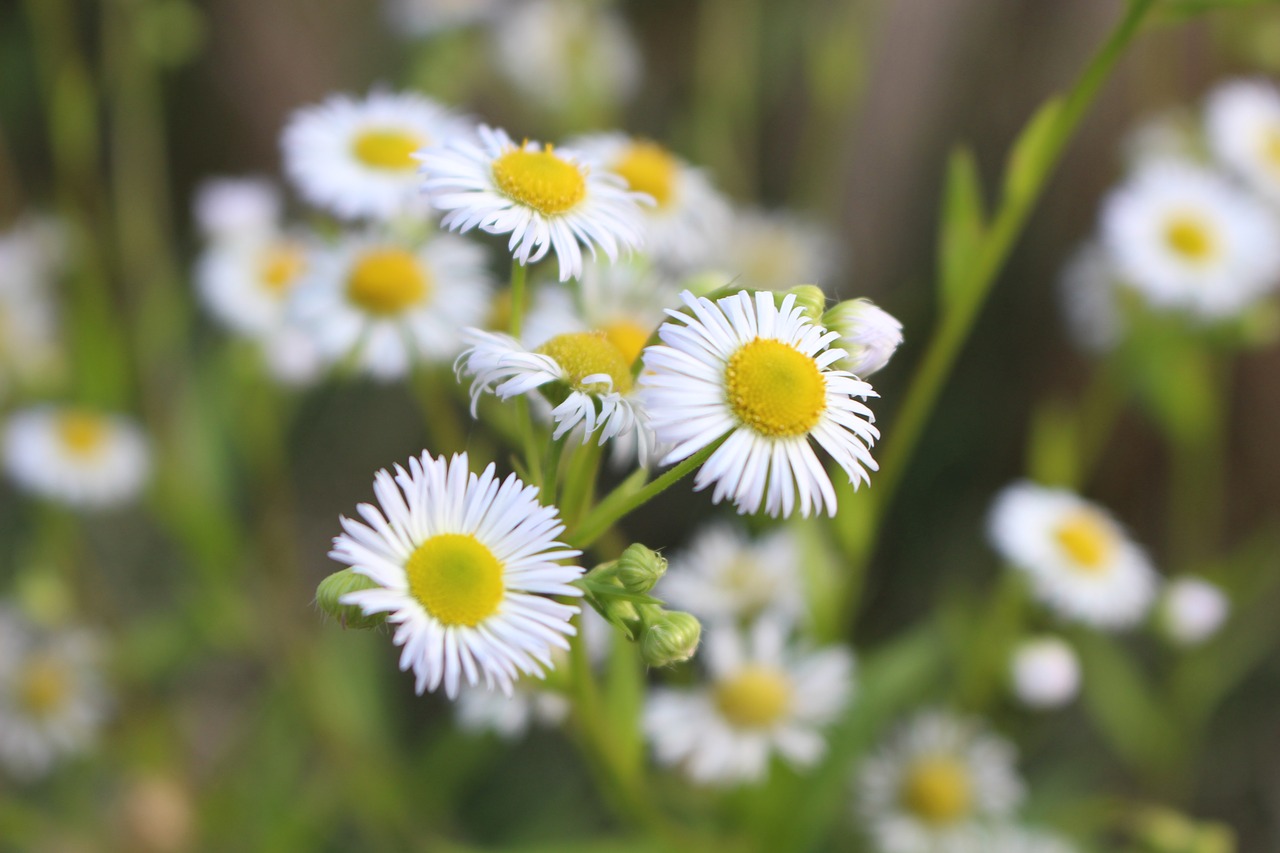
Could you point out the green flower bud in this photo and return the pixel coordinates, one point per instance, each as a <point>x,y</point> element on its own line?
<point>639,568</point>
<point>329,595</point>
<point>809,297</point>
<point>671,637</point>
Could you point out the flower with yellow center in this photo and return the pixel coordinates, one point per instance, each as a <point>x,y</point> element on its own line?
<point>1242,124</point>
<point>546,198</point>
<point>1087,539</point>
<point>246,282</point>
<point>280,266</point>
<point>937,790</point>
<point>1192,238</point>
<point>387,281</point>
<point>465,566</point>
<point>766,696</point>
<point>83,432</point>
<point>757,375</point>
<point>391,149</point>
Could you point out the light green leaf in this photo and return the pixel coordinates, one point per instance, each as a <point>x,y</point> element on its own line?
<point>1034,153</point>
<point>963,223</point>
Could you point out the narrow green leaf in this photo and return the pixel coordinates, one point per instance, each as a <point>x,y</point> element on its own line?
<point>961,230</point>
<point>1033,153</point>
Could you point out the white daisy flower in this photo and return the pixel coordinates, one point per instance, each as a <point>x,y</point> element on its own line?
<point>1184,237</point>
<point>510,717</point>
<point>869,334</point>
<point>1081,562</point>
<point>77,456</point>
<point>465,566</point>
<point>246,283</point>
<point>726,576</point>
<point>1045,672</point>
<point>420,18</point>
<point>764,697</point>
<point>355,158</point>
<point>387,303</point>
<point>759,375</point>
<point>28,319</point>
<point>52,700</point>
<point>545,198</point>
<point>689,219</point>
<point>237,208</point>
<point>933,781</point>
<point>1192,610</point>
<point>1089,289</point>
<point>772,250</point>
<point>1242,121</point>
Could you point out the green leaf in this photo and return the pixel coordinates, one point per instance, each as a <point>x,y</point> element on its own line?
<point>962,227</point>
<point>1034,153</point>
<point>1053,447</point>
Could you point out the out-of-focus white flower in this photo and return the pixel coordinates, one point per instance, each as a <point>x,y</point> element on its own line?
<point>510,717</point>
<point>247,282</point>
<point>237,208</point>
<point>420,18</point>
<point>1089,291</point>
<point>775,250</point>
<point>1045,672</point>
<point>724,575</point>
<point>869,334</point>
<point>30,256</point>
<point>1242,121</point>
<point>1192,610</point>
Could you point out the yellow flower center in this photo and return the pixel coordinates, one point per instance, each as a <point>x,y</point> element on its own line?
<point>1271,148</point>
<point>540,179</point>
<point>628,337</point>
<point>775,389</point>
<point>81,432</point>
<point>1087,539</point>
<point>648,168</point>
<point>456,578</point>
<point>1191,237</point>
<point>582,354</point>
<point>755,698</point>
<point>280,266</point>
<point>937,790</point>
<point>387,281</point>
<point>43,687</point>
<point>387,148</point>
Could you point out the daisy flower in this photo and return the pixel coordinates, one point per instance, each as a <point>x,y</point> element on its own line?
<point>1089,289</point>
<point>387,303</point>
<point>1192,610</point>
<point>510,717</point>
<point>77,456</point>
<point>1184,237</point>
<point>237,208</point>
<point>933,781</point>
<point>246,283</point>
<point>1080,561</point>
<point>355,158</point>
<point>726,576</point>
<point>764,697</point>
<point>1242,121</point>
<point>688,220</point>
<point>465,566</point>
<point>52,700</point>
<point>772,250</point>
<point>869,334</point>
<point>1045,672</point>
<point>758,375</point>
<point>545,198</point>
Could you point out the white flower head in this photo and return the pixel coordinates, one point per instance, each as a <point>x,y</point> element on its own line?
<point>1184,237</point>
<point>355,157</point>
<point>1242,122</point>
<point>1192,610</point>
<point>420,18</point>
<point>545,198</point>
<point>389,304</point>
<point>237,208</point>
<point>1081,563</point>
<point>760,376</point>
<point>725,576</point>
<point>765,697</point>
<point>934,781</point>
<point>1090,293</point>
<point>869,334</point>
<point>465,565</point>
<point>1045,672</point>
<point>772,250</point>
<point>247,283</point>
<point>77,456</point>
<point>510,717</point>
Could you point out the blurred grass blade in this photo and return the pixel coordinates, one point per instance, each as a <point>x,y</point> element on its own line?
<point>963,223</point>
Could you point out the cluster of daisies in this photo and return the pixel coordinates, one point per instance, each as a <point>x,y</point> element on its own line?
<point>1194,228</point>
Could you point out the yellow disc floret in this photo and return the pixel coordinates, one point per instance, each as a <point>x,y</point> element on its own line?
<point>387,148</point>
<point>583,354</point>
<point>628,337</point>
<point>456,578</point>
<point>82,432</point>
<point>1087,539</point>
<point>280,266</point>
<point>649,168</point>
<point>937,789</point>
<point>756,697</point>
<point>1271,148</point>
<point>387,281</point>
<point>540,179</point>
<point>1191,237</point>
<point>775,389</point>
<point>43,687</point>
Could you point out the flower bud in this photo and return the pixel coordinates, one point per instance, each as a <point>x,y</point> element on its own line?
<point>810,298</point>
<point>869,334</point>
<point>329,597</point>
<point>639,568</point>
<point>1192,610</point>
<point>671,637</point>
<point>1045,673</point>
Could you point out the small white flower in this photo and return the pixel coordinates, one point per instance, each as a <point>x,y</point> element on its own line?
<point>237,208</point>
<point>419,18</point>
<point>246,283</point>
<point>1184,237</point>
<point>773,250</point>
<point>1242,121</point>
<point>869,334</point>
<point>760,376</point>
<point>80,457</point>
<point>52,700</point>
<point>1089,290</point>
<point>1192,610</point>
<point>510,717</point>
<point>764,697</point>
<point>545,198</point>
<point>1045,672</point>
<point>465,566</point>
<point>388,304</point>
<point>934,781</point>
<point>724,575</point>
<point>355,158</point>
<point>1081,563</point>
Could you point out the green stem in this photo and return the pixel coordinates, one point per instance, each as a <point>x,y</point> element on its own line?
<point>519,286</point>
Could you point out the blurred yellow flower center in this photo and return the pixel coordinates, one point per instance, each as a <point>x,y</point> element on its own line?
<point>648,168</point>
<point>754,698</point>
<point>937,790</point>
<point>387,281</point>
<point>280,266</point>
<point>775,389</point>
<point>82,433</point>
<point>387,148</point>
<point>1086,538</point>
<point>540,179</point>
<point>1271,148</point>
<point>1191,237</point>
<point>629,338</point>
<point>43,687</point>
<point>583,354</point>
<point>456,578</point>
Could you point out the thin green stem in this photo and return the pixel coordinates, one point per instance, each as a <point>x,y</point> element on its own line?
<point>519,286</point>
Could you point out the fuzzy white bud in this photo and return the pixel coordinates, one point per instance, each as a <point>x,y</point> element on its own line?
<point>1192,610</point>
<point>237,208</point>
<point>1045,673</point>
<point>868,333</point>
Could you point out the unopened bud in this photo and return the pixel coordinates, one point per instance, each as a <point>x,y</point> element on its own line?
<point>639,568</point>
<point>329,597</point>
<point>671,637</point>
<point>869,334</point>
<point>809,297</point>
